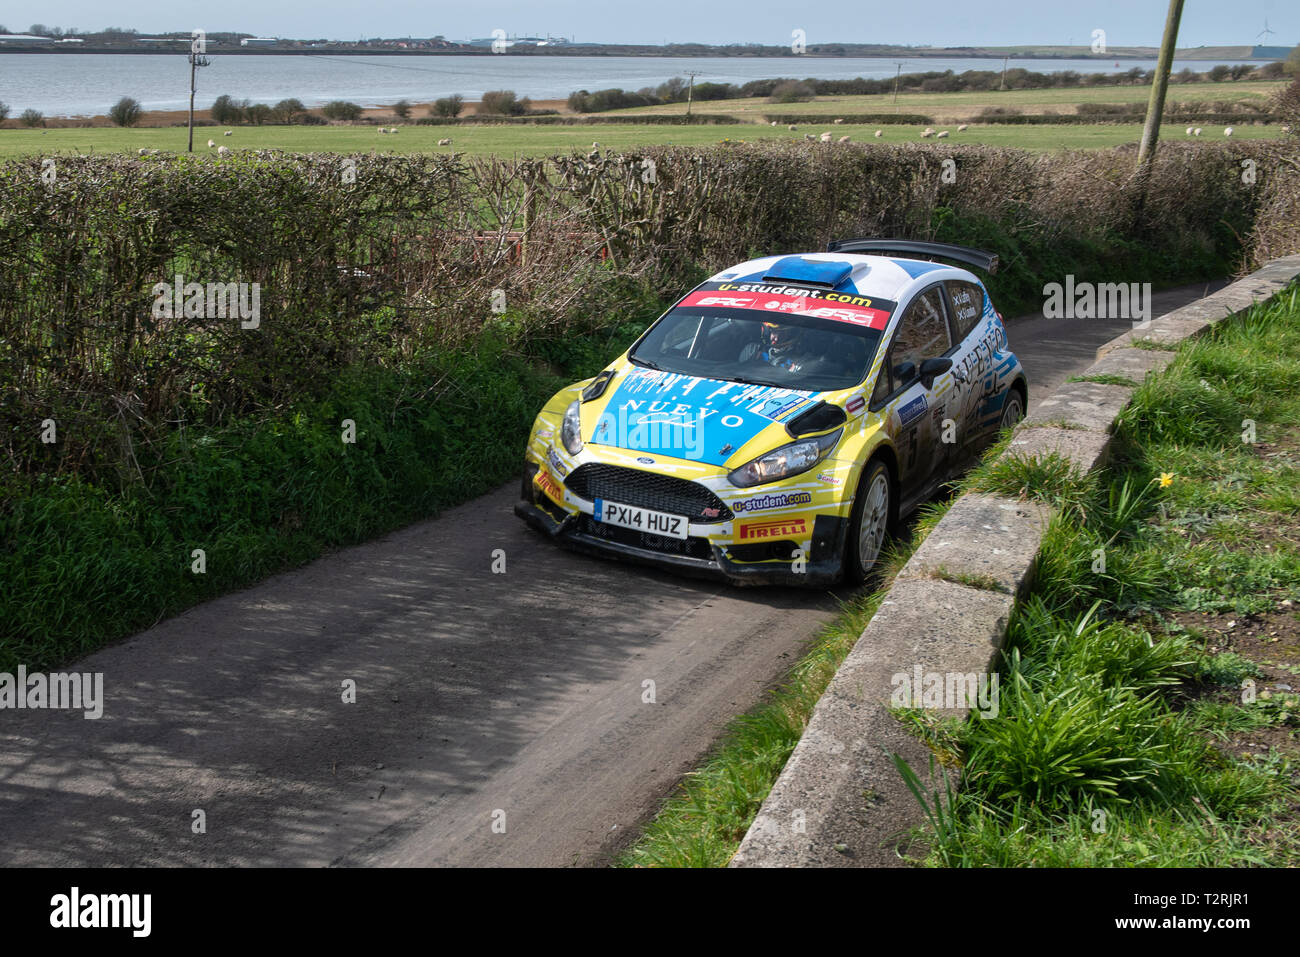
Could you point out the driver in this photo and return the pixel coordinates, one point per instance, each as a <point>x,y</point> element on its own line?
<point>782,346</point>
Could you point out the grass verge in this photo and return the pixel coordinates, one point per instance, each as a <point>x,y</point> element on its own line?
<point>1148,715</point>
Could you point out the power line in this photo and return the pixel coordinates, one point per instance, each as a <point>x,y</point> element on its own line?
<point>382,66</point>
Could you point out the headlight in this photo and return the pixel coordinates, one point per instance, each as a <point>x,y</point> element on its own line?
<point>786,461</point>
<point>571,430</point>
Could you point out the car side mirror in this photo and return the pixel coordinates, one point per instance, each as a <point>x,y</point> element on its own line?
<point>931,369</point>
<point>905,373</point>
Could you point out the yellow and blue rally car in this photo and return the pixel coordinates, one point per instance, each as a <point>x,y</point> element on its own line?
<point>776,423</point>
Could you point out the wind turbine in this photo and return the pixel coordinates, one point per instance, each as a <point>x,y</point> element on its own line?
<point>1263,33</point>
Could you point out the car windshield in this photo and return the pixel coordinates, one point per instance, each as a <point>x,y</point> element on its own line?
<point>807,352</point>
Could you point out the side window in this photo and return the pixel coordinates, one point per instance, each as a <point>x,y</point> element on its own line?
<point>922,334</point>
<point>883,385</point>
<point>967,300</point>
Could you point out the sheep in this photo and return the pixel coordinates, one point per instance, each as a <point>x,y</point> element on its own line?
<point>839,120</point>
<point>774,122</point>
<point>926,134</point>
<point>1189,131</point>
<point>825,137</point>
<point>940,135</point>
<point>1227,131</point>
<point>962,128</point>
<point>1196,132</point>
<point>810,137</point>
<point>880,133</point>
<point>212,144</point>
<point>444,142</point>
<point>382,131</point>
<point>843,139</point>
<point>223,150</point>
<point>228,133</point>
<point>142,151</point>
<point>793,127</point>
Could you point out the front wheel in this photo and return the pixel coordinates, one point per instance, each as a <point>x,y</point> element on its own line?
<point>871,522</point>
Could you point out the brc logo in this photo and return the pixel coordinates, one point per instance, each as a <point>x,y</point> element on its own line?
<point>777,528</point>
<point>731,301</point>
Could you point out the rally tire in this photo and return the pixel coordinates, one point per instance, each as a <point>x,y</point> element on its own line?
<point>871,522</point>
<point>1013,410</point>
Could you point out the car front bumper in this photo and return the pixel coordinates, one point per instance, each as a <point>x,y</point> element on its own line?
<point>706,559</point>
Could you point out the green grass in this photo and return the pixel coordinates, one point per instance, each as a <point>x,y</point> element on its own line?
<point>1104,750</point>
<point>540,140</point>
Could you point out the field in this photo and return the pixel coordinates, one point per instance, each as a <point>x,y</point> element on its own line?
<point>548,140</point>
<point>955,107</point>
<point>947,109</point>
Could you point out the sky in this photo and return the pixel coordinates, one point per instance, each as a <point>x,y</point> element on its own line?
<point>930,23</point>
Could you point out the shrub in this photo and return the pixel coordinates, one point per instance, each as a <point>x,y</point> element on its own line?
<point>33,118</point>
<point>716,91</point>
<point>402,109</point>
<point>226,111</point>
<point>503,103</point>
<point>791,91</point>
<point>286,111</point>
<point>672,91</point>
<point>341,110</point>
<point>4,111</point>
<point>602,100</point>
<point>125,112</point>
<point>258,114</point>
<point>448,106</point>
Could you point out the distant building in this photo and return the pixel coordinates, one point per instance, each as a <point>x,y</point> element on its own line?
<point>547,41</point>
<point>258,42</point>
<point>23,38</point>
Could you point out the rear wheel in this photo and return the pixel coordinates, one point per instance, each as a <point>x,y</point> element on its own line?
<point>1013,410</point>
<point>872,520</point>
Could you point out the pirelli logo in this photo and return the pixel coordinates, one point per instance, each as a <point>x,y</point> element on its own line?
<point>776,528</point>
<point>548,485</point>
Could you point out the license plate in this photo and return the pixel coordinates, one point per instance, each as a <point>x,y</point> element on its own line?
<point>640,519</point>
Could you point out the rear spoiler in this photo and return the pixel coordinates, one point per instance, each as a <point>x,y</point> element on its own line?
<point>962,254</point>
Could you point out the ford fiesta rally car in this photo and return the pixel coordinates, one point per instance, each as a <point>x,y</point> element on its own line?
<point>776,423</point>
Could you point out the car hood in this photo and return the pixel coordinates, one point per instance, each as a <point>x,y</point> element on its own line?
<point>688,417</point>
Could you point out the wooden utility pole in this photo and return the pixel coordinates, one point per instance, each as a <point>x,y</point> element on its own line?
<point>1160,83</point>
<point>196,60</point>
<point>690,92</point>
<point>897,75</point>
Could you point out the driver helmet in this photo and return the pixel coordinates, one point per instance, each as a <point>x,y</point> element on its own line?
<point>780,340</point>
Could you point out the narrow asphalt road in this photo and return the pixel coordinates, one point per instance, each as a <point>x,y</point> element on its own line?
<point>499,718</point>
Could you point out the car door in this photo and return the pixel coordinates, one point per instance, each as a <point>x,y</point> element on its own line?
<point>916,408</point>
<point>972,359</point>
